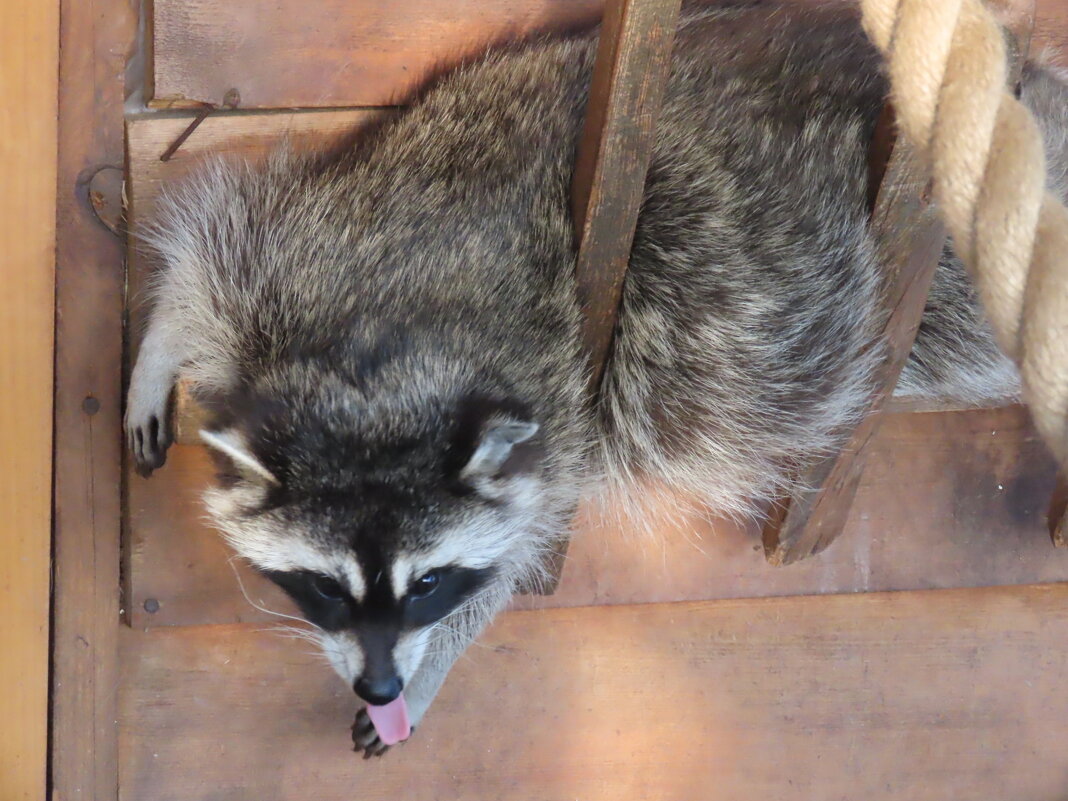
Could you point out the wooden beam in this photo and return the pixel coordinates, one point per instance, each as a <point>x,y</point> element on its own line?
<point>342,53</point>
<point>95,38</point>
<point>1058,512</point>
<point>633,63</point>
<point>909,235</point>
<point>632,66</point>
<point>29,40</point>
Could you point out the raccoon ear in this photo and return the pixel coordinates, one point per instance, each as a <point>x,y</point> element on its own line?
<point>231,442</point>
<point>496,447</point>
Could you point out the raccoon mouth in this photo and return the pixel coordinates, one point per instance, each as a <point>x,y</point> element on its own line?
<point>391,720</point>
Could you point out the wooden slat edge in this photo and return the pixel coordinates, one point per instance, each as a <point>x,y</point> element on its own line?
<point>95,38</point>
<point>910,236</point>
<point>29,36</point>
<point>633,64</point>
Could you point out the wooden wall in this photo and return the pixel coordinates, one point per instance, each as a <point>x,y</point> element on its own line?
<point>629,693</point>
<point>29,39</point>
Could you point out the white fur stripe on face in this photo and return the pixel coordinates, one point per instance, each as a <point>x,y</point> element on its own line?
<point>401,576</point>
<point>296,554</point>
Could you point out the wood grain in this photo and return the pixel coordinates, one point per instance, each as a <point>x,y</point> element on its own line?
<point>909,236</point>
<point>977,485</point>
<point>633,62</point>
<point>910,696</point>
<point>95,37</point>
<point>290,53</point>
<point>29,58</point>
<point>332,52</point>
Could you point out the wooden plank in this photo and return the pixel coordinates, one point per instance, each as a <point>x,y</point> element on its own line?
<point>978,484</point>
<point>95,36</point>
<point>29,58</point>
<point>936,542</point>
<point>632,65</point>
<point>909,236</point>
<point>342,52</point>
<point>353,52</point>
<point>633,62</point>
<point>911,696</point>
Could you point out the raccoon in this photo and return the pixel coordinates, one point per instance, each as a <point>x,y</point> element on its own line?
<point>387,336</point>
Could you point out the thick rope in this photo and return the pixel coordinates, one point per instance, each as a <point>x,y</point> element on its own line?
<point>949,83</point>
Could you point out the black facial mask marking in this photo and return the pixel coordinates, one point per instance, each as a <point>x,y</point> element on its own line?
<point>379,610</point>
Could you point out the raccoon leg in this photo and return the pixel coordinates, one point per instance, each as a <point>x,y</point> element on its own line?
<point>147,423</point>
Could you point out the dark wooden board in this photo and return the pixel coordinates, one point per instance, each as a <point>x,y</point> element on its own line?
<point>29,40</point>
<point>95,38</point>
<point>911,696</point>
<point>291,53</point>
<point>909,237</point>
<point>633,62</point>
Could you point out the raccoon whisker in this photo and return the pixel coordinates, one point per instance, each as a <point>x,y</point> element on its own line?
<point>261,608</point>
<point>294,633</point>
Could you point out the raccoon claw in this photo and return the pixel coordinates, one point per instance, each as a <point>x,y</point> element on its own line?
<point>148,442</point>
<point>365,738</point>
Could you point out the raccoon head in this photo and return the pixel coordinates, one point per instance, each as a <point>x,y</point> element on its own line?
<point>385,534</point>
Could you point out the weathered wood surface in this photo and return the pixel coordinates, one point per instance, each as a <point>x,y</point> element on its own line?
<point>909,236</point>
<point>332,52</point>
<point>977,486</point>
<point>29,60</point>
<point>910,696</point>
<point>95,37</point>
<point>909,239</point>
<point>633,62</point>
<point>355,52</point>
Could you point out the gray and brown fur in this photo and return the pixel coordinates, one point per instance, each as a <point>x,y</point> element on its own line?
<point>372,329</point>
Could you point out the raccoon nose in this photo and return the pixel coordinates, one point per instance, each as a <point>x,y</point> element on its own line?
<point>378,692</point>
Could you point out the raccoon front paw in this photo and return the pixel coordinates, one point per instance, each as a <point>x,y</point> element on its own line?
<point>148,434</point>
<point>366,739</point>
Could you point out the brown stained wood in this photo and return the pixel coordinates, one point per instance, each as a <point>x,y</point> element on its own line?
<point>907,696</point>
<point>1058,513</point>
<point>1051,29</point>
<point>633,62</point>
<point>978,485</point>
<point>353,52</point>
<point>292,53</point>
<point>909,237</point>
<point>95,37</point>
<point>632,65</point>
<point>29,38</point>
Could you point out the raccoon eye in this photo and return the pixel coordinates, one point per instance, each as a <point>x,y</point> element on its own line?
<point>327,588</point>
<point>424,586</point>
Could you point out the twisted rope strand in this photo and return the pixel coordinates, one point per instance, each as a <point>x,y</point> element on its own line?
<point>949,83</point>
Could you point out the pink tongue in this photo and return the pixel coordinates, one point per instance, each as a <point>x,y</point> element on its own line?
<point>391,720</point>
